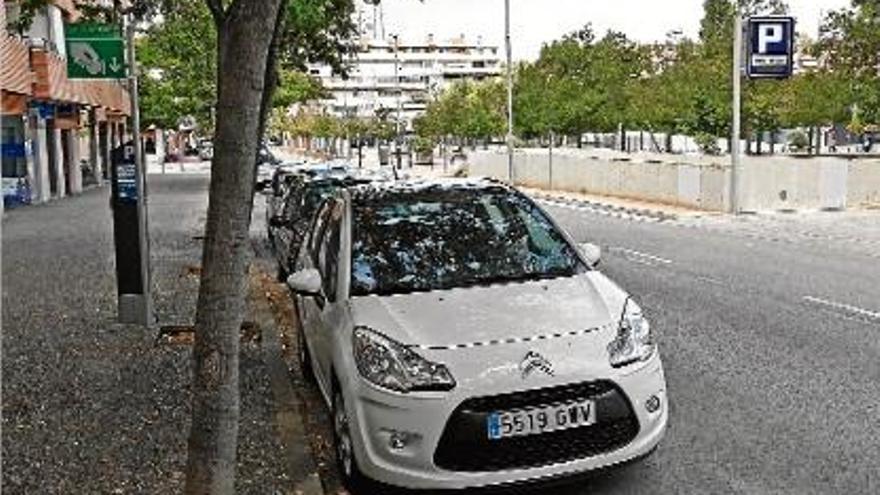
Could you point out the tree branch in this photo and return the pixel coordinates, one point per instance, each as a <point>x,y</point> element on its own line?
<point>216,8</point>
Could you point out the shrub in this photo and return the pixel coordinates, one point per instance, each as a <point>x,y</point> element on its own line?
<point>708,143</point>
<point>798,140</point>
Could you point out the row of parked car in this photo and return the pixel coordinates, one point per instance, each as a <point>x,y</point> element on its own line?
<point>457,334</point>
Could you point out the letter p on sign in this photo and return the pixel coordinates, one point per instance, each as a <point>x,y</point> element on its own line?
<point>769,34</point>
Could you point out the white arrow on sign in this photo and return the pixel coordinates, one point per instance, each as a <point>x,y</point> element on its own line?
<point>114,65</point>
<point>87,57</point>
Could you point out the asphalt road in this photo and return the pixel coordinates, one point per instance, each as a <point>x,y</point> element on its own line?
<point>769,330</point>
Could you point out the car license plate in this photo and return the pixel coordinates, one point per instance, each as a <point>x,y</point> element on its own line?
<point>533,421</point>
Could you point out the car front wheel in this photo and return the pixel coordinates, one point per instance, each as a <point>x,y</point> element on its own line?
<point>345,458</point>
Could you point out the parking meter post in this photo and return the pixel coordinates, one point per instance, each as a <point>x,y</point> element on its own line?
<point>128,201</point>
<point>132,277</point>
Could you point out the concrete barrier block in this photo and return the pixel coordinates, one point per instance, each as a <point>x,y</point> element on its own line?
<point>863,183</point>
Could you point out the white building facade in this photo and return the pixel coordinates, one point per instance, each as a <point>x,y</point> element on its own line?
<point>385,70</point>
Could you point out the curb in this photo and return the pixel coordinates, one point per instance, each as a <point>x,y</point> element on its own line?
<point>614,210</point>
<point>287,407</point>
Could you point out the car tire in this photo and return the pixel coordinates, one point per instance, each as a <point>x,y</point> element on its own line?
<point>346,460</point>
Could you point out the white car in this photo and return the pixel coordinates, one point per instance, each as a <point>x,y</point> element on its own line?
<point>461,339</point>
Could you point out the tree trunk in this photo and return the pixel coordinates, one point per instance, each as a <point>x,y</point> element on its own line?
<point>244,34</point>
<point>810,146</point>
<point>270,80</point>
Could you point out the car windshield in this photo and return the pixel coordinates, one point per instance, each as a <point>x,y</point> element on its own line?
<point>443,238</point>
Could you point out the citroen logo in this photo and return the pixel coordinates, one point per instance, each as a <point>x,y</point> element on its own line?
<point>534,361</point>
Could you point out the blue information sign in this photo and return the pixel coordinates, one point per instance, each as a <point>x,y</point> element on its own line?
<point>771,47</point>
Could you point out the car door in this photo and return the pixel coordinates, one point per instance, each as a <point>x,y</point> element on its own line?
<point>311,307</point>
<point>329,315</point>
<point>284,232</point>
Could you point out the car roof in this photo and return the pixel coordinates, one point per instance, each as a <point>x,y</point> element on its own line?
<point>377,189</point>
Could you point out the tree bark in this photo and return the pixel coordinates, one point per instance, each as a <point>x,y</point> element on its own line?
<point>270,80</point>
<point>810,139</point>
<point>244,33</point>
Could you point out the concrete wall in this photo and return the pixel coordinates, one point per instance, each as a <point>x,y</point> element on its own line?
<point>700,182</point>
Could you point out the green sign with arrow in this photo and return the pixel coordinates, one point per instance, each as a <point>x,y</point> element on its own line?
<point>95,51</point>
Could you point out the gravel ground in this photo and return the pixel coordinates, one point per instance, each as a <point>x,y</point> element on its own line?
<point>91,406</point>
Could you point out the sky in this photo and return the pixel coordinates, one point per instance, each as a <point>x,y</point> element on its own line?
<point>534,22</point>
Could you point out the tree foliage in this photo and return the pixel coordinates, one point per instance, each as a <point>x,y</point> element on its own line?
<point>177,53</point>
<point>588,83</point>
<point>178,60</point>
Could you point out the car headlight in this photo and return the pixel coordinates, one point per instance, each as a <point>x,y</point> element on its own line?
<point>633,342</point>
<point>389,364</point>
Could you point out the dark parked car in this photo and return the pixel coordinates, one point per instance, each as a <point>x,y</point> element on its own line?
<point>293,215</point>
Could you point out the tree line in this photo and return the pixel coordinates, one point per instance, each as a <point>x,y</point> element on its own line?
<point>585,83</point>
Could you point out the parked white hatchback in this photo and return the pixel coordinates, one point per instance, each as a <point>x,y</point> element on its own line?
<point>461,339</point>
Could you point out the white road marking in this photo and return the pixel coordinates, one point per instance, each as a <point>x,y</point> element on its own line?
<point>641,255</point>
<point>852,310</point>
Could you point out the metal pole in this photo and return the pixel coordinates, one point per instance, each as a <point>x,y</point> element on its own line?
<point>399,104</point>
<point>509,51</point>
<point>550,162</point>
<point>360,145</point>
<point>143,231</point>
<point>735,165</point>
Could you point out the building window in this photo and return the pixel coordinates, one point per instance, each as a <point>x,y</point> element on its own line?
<point>479,64</point>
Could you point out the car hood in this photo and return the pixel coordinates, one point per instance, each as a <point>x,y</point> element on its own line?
<point>485,315</point>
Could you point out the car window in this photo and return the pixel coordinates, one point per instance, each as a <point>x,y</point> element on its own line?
<point>293,204</point>
<point>317,232</point>
<point>328,253</point>
<point>446,238</point>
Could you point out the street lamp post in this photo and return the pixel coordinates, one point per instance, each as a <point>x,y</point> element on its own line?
<point>509,51</point>
<point>397,150</point>
<point>735,157</point>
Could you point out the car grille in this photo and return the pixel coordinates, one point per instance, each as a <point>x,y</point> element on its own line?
<point>465,446</point>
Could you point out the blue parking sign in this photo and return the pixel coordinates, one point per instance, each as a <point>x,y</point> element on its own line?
<point>771,47</point>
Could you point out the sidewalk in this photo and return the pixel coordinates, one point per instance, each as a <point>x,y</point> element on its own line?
<point>189,165</point>
<point>92,406</point>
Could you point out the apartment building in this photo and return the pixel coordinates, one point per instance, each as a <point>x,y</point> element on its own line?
<point>57,133</point>
<point>384,70</point>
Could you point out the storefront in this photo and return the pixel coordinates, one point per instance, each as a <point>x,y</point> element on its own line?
<point>14,151</point>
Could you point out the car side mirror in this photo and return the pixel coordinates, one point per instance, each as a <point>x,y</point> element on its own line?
<point>591,252</point>
<point>306,282</point>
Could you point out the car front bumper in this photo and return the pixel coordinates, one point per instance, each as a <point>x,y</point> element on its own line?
<point>396,437</point>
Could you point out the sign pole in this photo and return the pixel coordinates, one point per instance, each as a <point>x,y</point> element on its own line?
<point>142,312</point>
<point>509,50</point>
<point>737,113</point>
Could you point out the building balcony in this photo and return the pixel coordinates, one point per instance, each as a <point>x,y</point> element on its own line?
<point>471,71</point>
